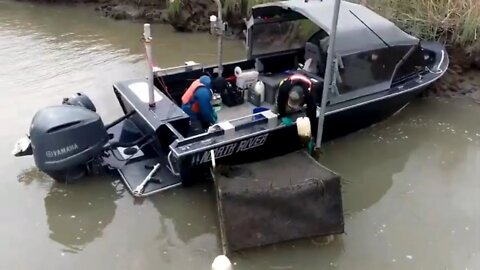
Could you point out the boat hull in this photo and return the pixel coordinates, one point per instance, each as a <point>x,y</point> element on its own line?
<point>344,122</point>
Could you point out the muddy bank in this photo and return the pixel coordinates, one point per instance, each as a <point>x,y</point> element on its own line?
<point>134,10</point>
<point>182,15</point>
<point>463,76</point>
<point>192,15</point>
<point>144,13</point>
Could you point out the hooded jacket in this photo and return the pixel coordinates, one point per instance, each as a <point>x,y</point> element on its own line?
<point>201,98</point>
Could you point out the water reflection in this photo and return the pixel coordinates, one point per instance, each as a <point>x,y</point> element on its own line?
<point>321,254</point>
<point>370,159</point>
<point>33,175</point>
<point>77,214</point>
<point>189,233</point>
<point>367,178</point>
<point>66,24</point>
<point>188,224</point>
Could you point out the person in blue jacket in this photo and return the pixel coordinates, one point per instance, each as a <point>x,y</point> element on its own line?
<point>196,102</point>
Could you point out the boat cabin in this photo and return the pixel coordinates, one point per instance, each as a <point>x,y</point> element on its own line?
<point>371,53</point>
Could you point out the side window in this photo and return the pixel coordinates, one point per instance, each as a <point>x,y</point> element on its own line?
<point>369,68</point>
<point>273,37</point>
<point>414,63</point>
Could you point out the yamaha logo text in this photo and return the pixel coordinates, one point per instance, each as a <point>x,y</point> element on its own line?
<point>62,151</point>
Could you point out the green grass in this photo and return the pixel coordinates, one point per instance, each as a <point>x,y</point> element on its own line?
<point>238,8</point>
<point>173,6</point>
<point>456,22</point>
<point>241,7</point>
<point>235,10</point>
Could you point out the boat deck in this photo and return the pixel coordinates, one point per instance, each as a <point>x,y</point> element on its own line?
<point>228,113</point>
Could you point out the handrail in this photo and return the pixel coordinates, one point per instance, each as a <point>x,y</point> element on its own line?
<point>401,62</point>
<point>438,69</point>
<point>185,67</point>
<point>170,166</point>
<point>441,62</point>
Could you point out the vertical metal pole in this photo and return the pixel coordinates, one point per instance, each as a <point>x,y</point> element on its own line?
<point>327,84</point>
<point>147,39</point>
<point>220,29</point>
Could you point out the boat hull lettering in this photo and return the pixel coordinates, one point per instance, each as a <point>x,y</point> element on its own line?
<point>230,149</point>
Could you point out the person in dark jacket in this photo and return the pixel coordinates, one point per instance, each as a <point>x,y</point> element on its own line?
<point>294,92</point>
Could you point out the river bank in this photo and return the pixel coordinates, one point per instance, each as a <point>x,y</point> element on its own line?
<point>183,16</point>
<point>133,10</point>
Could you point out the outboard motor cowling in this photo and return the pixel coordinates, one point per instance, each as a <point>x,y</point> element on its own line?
<point>65,139</point>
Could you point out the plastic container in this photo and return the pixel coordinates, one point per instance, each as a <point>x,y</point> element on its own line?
<point>258,110</point>
<point>245,79</point>
<point>254,97</point>
<point>303,127</point>
<point>260,89</point>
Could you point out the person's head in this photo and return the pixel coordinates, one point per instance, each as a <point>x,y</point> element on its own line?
<point>296,97</point>
<point>205,80</point>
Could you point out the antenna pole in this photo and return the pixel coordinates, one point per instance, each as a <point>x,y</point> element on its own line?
<point>220,28</point>
<point>147,39</point>
<point>328,82</point>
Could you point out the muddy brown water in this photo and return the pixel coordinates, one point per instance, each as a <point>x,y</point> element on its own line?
<point>411,192</point>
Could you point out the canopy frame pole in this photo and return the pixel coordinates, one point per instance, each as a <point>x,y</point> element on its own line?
<point>329,81</point>
<point>147,39</point>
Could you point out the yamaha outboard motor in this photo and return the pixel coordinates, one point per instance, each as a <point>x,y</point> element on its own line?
<point>66,140</point>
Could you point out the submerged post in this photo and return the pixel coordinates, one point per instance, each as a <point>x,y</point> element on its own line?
<point>327,85</point>
<point>147,39</point>
<point>220,29</point>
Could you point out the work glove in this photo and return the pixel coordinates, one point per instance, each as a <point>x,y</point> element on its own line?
<point>215,116</point>
<point>287,121</point>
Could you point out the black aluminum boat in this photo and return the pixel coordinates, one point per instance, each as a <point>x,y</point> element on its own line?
<point>379,69</point>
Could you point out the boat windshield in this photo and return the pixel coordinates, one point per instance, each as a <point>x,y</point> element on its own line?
<point>279,36</point>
